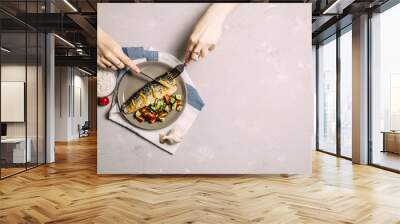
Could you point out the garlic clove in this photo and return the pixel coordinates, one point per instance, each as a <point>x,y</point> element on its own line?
<point>162,138</point>
<point>173,136</point>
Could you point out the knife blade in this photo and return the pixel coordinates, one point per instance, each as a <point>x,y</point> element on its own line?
<point>149,77</point>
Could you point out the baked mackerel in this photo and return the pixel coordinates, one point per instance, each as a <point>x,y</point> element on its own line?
<point>163,85</point>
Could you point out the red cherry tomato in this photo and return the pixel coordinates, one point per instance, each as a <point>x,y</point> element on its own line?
<point>151,116</point>
<point>103,101</point>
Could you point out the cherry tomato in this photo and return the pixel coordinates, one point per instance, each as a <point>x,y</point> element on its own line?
<point>103,101</point>
<point>151,116</point>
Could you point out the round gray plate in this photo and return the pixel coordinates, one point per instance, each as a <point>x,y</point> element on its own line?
<point>131,83</point>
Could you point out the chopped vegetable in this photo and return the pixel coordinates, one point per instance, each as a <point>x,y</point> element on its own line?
<point>150,116</point>
<point>178,96</point>
<point>140,119</point>
<point>143,110</point>
<point>163,114</point>
<point>167,99</point>
<point>159,110</point>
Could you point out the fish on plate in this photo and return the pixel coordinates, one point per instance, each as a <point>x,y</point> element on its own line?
<point>156,99</point>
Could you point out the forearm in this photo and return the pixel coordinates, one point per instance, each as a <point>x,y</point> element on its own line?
<point>221,10</point>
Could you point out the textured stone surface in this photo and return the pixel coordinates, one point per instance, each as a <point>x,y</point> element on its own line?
<point>257,86</point>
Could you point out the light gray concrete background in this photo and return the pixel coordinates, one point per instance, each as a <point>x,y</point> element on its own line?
<point>257,86</point>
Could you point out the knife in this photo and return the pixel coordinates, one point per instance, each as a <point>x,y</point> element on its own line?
<point>149,77</point>
<point>144,74</point>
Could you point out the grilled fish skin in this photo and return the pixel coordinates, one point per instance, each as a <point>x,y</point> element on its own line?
<point>149,93</point>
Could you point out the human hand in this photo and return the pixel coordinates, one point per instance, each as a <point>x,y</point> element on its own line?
<point>110,54</point>
<point>207,31</point>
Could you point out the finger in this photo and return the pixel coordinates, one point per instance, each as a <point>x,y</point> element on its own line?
<point>203,52</point>
<point>114,60</point>
<point>186,57</point>
<point>211,47</point>
<point>105,61</point>
<point>127,61</point>
<point>101,64</point>
<point>196,53</point>
<point>107,64</point>
<point>113,67</point>
<point>189,50</point>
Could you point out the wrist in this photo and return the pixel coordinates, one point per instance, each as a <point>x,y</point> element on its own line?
<point>221,10</point>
